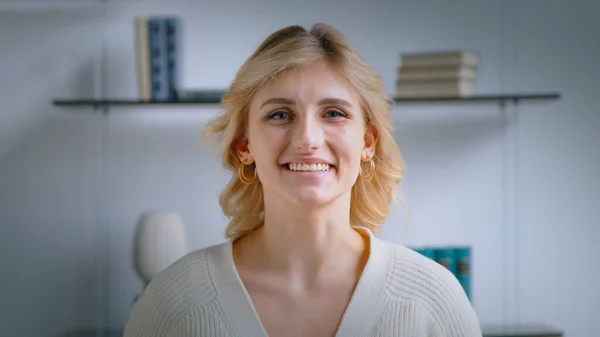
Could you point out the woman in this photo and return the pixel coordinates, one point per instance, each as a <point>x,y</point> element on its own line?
<point>308,134</point>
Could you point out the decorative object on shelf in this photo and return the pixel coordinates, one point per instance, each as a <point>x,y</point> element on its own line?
<point>457,259</point>
<point>160,240</point>
<point>437,74</point>
<point>158,51</point>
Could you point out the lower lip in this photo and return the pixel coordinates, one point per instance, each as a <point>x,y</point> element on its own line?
<point>308,174</point>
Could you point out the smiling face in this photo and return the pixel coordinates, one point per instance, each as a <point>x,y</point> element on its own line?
<point>307,135</point>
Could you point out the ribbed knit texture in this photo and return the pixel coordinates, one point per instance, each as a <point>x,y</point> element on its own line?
<point>400,293</point>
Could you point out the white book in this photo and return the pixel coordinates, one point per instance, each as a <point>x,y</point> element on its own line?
<point>143,59</point>
<point>443,58</point>
<point>436,73</point>
<point>430,89</point>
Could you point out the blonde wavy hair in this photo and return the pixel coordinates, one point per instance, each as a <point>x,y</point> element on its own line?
<point>290,48</point>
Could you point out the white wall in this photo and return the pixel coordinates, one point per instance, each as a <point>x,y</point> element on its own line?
<point>559,196</point>
<point>48,281</point>
<point>62,210</point>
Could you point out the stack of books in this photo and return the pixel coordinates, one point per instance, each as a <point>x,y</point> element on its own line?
<point>446,74</point>
<point>457,259</point>
<point>158,44</point>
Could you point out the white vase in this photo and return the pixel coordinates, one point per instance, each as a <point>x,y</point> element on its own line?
<point>160,240</point>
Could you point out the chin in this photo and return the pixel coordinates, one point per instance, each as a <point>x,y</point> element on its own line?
<point>312,200</point>
<point>306,196</point>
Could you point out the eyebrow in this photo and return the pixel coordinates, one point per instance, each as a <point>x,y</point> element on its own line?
<point>287,101</point>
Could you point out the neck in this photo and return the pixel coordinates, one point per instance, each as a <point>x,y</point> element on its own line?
<point>307,246</point>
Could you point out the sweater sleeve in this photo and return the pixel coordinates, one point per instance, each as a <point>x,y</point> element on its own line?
<point>453,314</point>
<point>155,313</point>
<point>418,279</point>
<point>170,299</point>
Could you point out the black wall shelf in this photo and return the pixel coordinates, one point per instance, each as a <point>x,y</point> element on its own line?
<point>500,99</point>
<point>483,98</point>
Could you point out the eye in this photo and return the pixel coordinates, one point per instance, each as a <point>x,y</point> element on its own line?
<point>278,115</point>
<point>335,113</point>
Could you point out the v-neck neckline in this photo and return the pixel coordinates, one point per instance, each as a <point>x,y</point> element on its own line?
<point>363,307</point>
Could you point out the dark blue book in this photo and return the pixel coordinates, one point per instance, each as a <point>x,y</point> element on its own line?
<point>173,41</point>
<point>463,268</point>
<point>157,35</point>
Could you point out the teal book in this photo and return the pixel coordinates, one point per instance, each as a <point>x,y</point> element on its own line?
<point>463,268</point>
<point>446,257</point>
<point>427,252</point>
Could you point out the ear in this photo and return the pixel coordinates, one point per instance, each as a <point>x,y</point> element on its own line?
<point>242,148</point>
<point>371,136</point>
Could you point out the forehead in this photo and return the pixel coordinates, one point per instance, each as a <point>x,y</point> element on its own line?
<point>307,85</point>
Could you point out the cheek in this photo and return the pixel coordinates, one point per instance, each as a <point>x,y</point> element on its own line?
<point>266,147</point>
<point>350,142</point>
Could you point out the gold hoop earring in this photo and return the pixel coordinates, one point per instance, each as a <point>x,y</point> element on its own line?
<point>245,180</point>
<point>371,171</point>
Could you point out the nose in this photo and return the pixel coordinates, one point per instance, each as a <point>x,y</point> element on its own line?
<point>307,133</point>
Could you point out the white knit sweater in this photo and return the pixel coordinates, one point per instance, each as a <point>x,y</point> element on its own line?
<point>400,293</point>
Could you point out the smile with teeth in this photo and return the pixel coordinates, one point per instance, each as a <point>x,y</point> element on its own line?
<point>319,167</point>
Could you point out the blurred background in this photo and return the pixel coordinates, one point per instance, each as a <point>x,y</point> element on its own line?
<point>517,183</point>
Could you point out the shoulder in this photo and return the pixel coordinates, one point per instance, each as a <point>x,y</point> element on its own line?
<point>178,290</point>
<point>420,280</point>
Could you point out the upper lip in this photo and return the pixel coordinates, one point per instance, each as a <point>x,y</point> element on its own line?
<point>308,160</point>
